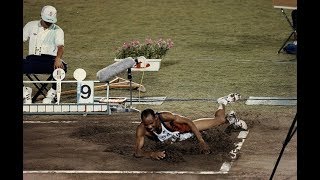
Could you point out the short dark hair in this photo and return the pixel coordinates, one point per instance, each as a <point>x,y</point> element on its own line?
<point>146,113</point>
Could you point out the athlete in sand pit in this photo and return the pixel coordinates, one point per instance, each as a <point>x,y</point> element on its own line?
<point>169,127</point>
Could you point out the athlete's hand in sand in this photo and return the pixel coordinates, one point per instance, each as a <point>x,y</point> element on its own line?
<point>204,148</point>
<point>158,155</point>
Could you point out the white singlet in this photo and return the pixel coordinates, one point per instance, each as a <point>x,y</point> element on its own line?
<point>173,136</point>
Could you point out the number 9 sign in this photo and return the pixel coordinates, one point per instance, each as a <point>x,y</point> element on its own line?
<point>85,89</point>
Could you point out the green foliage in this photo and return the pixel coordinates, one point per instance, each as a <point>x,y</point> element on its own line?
<point>150,49</point>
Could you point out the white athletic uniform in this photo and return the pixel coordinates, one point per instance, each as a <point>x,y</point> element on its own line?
<point>173,136</point>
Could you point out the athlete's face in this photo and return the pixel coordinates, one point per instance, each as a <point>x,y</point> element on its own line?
<point>149,123</point>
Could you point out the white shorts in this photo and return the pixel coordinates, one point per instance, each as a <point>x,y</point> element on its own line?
<point>184,136</point>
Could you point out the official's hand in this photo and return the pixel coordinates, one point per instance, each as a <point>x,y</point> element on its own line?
<point>58,63</point>
<point>158,155</point>
<point>204,148</point>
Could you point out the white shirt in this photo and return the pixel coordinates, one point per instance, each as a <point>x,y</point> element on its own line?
<point>43,41</point>
<point>165,134</point>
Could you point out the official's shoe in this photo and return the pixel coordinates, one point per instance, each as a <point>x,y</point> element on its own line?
<point>50,97</point>
<point>27,95</point>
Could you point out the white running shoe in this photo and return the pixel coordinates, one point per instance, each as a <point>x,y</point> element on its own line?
<point>27,95</point>
<point>50,98</point>
<point>236,122</point>
<point>231,98</point>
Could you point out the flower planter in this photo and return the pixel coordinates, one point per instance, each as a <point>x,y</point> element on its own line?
<point>154,65</point>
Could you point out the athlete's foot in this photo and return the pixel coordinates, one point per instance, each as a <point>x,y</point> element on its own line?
<point>231,98</point>
<point>235,122</point>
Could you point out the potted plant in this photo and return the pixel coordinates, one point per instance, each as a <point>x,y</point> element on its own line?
<point>152,50</point>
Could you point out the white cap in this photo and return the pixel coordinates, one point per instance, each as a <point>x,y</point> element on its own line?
<point>49,14</point>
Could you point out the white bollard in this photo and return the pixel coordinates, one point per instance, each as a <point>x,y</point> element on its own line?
<point>58,74</point>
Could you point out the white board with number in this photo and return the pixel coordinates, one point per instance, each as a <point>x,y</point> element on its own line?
<point>85,92</point>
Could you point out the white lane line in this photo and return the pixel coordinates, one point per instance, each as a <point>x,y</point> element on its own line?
<point>35,122</point>
<point>120,172</point>
<point>226,166</point>
<point>136,122</point>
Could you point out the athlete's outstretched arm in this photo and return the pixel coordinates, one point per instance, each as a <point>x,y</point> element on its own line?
<point>139,152</point>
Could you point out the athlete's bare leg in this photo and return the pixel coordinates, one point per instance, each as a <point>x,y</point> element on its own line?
<point>207,123</point>
<point>219,116</point>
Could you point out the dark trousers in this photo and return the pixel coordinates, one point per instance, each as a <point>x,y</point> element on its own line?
<point>294,14</point>
<point>294,17</point>
<point>43,64</point>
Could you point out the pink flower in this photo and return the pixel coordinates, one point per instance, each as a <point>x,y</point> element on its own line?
<point>150,49</point>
